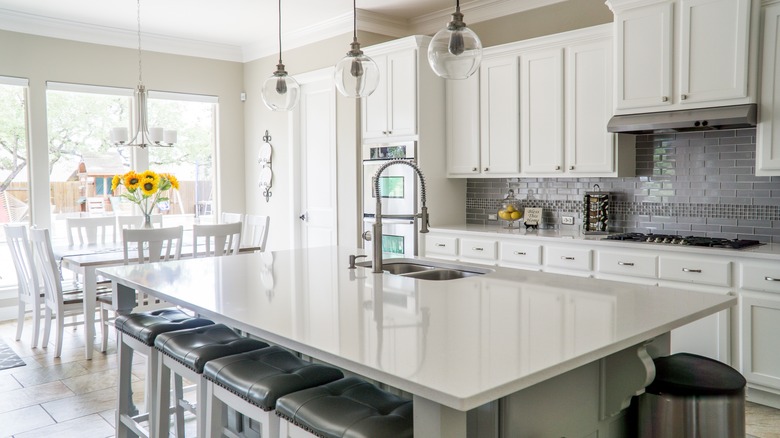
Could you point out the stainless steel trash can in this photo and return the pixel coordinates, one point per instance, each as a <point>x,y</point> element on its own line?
<point>692,397</point>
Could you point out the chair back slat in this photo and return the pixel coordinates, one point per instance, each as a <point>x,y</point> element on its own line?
<point>46,264</point>
<point>218,239</point>
<point>90,230</point>
<point>256,231</point>
<point>21,254</point>
<point>152,245</point>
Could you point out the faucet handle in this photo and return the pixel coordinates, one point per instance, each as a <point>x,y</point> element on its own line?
<point>353,258</point>
<point>424,219</point>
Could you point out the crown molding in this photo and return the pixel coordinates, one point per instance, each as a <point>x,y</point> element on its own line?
<point>87,33</point>
<point>475,11</point>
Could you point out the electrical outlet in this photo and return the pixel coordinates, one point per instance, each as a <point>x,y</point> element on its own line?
<point>492,217</point>
<point>567,220</point>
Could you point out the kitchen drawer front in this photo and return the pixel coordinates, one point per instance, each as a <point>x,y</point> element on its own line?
<point>520,253</point>
<point>567,258</point>
<point>695,270</point>
<point>626,263</point>
<point>441,245</point>
<point>760,277</point>
<point>482,249</point>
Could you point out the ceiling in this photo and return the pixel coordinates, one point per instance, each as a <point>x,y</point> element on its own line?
<point>236,30</point>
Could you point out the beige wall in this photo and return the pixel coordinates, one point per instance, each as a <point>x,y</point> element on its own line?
<point>42,59</point>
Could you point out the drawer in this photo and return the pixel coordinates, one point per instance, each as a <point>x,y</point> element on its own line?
<point>520,253</point>
<point>695,270</point>
<point>760,277</point>
<point>441,245</point>
<point>567,258</point>
<point>482,249</point>
<point>632,265</point>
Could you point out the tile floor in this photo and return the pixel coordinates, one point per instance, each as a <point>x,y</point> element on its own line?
<point>71,397</point>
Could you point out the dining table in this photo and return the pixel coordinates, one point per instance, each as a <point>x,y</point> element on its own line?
<point>519,353</point>
<point>85,259</point>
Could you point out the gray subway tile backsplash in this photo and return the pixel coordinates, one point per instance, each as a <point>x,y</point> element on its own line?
<point>693,183</point>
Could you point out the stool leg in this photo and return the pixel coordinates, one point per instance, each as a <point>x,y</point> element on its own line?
<point>162,398</point>
<point>201,407</point>
<point>125,402</point>
<point>178,394</point>
<point>214,413</point>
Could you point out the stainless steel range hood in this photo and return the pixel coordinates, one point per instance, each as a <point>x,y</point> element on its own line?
<point>725,117</point>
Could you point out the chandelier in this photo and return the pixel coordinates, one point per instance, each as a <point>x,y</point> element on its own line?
<point>143,136</point>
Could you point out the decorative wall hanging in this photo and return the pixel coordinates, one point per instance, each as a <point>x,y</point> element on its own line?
<point>266,174</point>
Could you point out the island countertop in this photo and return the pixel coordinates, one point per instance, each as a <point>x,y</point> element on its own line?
<point>460,343</point>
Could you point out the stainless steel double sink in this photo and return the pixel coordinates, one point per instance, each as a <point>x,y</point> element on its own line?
<point>427,270</point>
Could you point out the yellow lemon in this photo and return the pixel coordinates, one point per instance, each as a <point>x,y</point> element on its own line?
<point>515,215</point>
<point>511,208</point>
<point>503,214</point>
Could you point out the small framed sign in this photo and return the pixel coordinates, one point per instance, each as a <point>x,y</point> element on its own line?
<point>533,217</point>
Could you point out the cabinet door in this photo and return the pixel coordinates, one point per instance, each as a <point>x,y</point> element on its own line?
<point>760,326</point>
<point>713,55</point>
<point>590,149</point>
<point>768,133</point>
<point>375,105</point>
<point>644,56</point>
<point>463,126</point>
<point>402,93</point>
<point>541,111</point>
<point>499,119</point>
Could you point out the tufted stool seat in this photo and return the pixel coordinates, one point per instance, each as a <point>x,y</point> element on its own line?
<point>350,407</point>
<point>186,352</point>
<point>137,333</point>
<point>251,383</point>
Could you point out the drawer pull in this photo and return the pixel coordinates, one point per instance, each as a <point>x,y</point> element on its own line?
<point>441,245</point>
<point>626,263</point>
<point>476,248</point>
<point>519,253</point>
<point>771,279</point>
<point>695,271</point>
<point>567,258</point>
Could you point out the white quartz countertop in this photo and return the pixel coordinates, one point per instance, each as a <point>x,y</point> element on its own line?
<point>461,343</point>
<point>574,235</point>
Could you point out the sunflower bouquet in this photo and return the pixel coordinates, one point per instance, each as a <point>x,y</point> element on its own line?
<point>145,189</point>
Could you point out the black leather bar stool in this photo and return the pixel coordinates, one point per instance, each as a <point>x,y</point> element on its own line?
<point>137,332</point>
<point>185,352</point>
<point>251,383</point>
<point>350,407</point>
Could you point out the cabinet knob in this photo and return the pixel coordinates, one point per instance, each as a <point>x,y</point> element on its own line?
<point>683,96</point>
<point>389,132</point>
<point>486,169</point>
<point>571,167</point>
<point>664,99</point>
<point>474,169</point>
<point>557,167</point>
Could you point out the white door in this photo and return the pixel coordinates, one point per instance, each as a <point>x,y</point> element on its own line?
<point>500,122</point>
<point>317,143</point>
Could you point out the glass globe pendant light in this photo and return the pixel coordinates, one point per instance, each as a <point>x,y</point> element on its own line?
<point>280,91</point>
<point>356,74</point>
<point>455,51</point>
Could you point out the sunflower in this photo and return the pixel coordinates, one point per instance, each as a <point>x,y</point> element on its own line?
<point>131,180</point>
<point>148,175</point>
<point>149,186</point>
<point>115,182</point>
<point>174,181</point>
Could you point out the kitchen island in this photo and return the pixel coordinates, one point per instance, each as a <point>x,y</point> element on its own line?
<point>556,355</point>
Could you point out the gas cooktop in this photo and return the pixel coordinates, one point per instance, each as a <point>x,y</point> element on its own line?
<point>671,239</point>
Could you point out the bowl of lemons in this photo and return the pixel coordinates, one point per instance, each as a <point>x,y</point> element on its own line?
<point>509,210</point>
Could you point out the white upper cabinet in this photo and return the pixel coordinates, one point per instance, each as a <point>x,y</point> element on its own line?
<point>463,127</point>
<point>679,54</point>
<point>499,121</point>
<point>391,110</point>
<point>768,132</point>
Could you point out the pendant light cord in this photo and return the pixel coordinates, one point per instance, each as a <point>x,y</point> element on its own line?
<point>354,20</point>
<point>280,31</point>
<point>140,81</point>
<point>457,5</point>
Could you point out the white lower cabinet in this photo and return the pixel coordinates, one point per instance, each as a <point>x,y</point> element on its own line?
<point>437,246</point>
<point>520,255</point>
<point>760,323</point>
<point>568,260</point>
<point>478,250</point>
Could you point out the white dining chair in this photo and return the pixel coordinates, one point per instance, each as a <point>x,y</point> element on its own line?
<point>58,304</point>
<point>96,206</point>
<point>137,221</point>
<point>227,218</point>
<point>91,230</point>
<point>216,239</point>
<point>255,231</point>
<point>28,287</point>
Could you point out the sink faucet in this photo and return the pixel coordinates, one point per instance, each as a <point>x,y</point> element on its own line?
<point>377,228</point>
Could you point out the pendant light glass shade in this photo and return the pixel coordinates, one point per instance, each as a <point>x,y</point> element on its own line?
<point>280,92</point>
<point>356,75</point>
<point>455,52</point>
